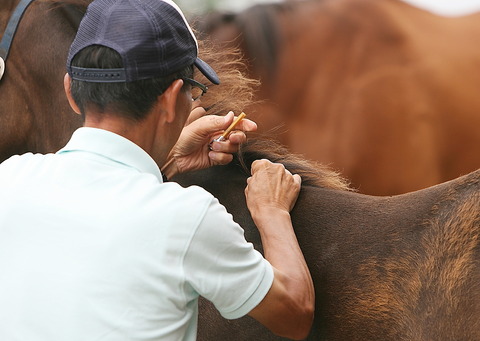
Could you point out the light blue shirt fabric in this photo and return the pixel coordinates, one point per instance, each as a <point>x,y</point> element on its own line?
<point>93,246</point>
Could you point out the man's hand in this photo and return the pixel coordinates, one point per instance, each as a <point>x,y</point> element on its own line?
<point>192,150</point>
<point>288,308</point>
<point>271,187</point>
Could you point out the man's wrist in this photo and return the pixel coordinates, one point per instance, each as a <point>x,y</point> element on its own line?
<point>266,215</point>
<point>170,168</point>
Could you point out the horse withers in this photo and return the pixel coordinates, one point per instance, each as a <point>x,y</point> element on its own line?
<point>405,267</point>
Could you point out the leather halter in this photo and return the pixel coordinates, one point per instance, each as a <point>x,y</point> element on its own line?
<point>10,32</point>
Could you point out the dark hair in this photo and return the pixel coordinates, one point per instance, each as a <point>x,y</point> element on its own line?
<point>129,99</point>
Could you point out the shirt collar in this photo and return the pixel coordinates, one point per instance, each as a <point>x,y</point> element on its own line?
<point>112,146</point>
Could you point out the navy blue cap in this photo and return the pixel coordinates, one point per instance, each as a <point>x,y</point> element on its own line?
<point>152,36</point>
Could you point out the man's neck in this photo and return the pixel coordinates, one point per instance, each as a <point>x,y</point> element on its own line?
<point>143,133</point>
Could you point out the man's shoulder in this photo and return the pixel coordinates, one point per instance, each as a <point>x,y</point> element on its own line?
<point>188,194</point>
<point>20,161</point>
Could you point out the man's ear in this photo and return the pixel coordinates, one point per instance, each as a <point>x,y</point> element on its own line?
<point>168,99</point>
<point>68,91</point>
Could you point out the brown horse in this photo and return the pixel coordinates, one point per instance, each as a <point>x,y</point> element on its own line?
<point>405,267</point>
<point>34,113</point>
<point>384,92</point>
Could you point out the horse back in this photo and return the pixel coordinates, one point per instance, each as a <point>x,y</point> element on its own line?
<point>404,267</point>
<point>396,268</point>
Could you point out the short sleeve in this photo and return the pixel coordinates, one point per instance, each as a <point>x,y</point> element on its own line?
<point>223,267</point>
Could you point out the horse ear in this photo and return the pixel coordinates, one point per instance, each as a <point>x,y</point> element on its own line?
<point>67,84</point>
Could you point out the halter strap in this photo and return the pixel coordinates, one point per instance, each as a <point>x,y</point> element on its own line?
<point>10,32</point>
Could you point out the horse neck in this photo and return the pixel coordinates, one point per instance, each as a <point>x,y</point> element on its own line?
<point>6,9</point>
<point>35,69</point>
<point>51,24</point>
<point>39,48</point>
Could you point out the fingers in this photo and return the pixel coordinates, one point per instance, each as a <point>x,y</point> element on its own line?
<point>202,129</point>
<point>214,125</point>
<point>278,168</point>
<point>231,145</point>
<point>271,186</point>
<point>246,125</point>
<point>266,165</point>
<point>236,137</point>
<point>298,179</point>
<point>195,114</point>
<point>220,158</point>
<point>209,124</point>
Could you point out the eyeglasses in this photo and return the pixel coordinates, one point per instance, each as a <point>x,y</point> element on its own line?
<point>198,89</point>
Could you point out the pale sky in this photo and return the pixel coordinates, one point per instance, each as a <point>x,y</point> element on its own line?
<point>448,7</point>
<point>442,7</point>
<point>198,6</point>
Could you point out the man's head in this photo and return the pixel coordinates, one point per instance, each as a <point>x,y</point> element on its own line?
<point>120,44</point>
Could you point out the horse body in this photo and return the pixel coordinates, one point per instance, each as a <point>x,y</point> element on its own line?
<point>382,91</point>
<point>405,267</point>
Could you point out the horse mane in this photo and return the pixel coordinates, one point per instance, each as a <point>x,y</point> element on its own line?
<point>312,173</point>
<point>260,28</point>
<point>235,88</point>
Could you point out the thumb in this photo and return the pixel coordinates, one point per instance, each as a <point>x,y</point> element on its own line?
<point>210,124</point>
<point>298,179</point>
<point>195,114</point>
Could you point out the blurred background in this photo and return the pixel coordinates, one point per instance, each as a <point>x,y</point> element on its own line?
<point>385,92</point>
<point>196,7</point>
<point>443,7</point>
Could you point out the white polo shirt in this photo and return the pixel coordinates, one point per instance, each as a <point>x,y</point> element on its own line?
<point>93,246</point>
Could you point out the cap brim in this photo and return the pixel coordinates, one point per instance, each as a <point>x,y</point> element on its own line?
<point>207,71</point>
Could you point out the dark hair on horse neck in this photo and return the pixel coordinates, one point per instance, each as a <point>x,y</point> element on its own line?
<point>312,173</point>
<point>130,99</point>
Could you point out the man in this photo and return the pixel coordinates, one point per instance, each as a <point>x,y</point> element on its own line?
<point>95,246</point>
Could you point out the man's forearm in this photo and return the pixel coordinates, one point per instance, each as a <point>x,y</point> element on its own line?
<point>281,249</point>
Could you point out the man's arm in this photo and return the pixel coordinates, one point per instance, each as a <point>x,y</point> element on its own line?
<point>288,308</point>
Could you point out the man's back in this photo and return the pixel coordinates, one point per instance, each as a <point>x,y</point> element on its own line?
<point>94,246</point>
